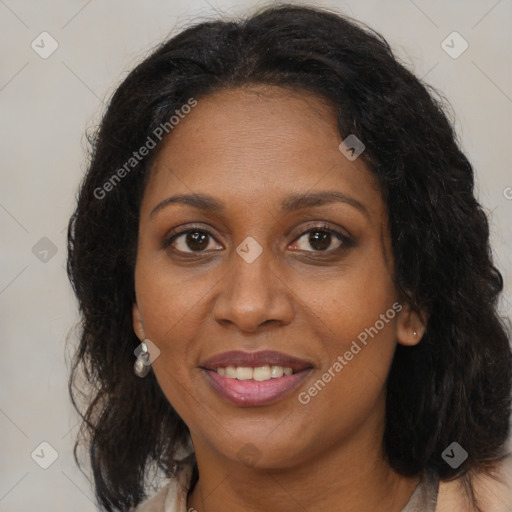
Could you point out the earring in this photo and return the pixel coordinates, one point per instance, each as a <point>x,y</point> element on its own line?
<point>414,333</point>
<point>142,364</point>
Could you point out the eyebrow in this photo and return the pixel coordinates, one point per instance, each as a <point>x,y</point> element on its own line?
<point>289,204</point>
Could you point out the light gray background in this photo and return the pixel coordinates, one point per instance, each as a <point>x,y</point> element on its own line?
<point>46,106</point>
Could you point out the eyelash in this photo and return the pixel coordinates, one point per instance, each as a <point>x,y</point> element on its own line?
<point>346,241</point>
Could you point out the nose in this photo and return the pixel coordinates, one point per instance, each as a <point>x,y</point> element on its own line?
<point>253,294</point>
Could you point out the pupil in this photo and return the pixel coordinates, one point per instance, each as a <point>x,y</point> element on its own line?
<point>322,238</point>
<point>196,240</point>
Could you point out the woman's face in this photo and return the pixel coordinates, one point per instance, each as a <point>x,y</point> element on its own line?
<point>260,270</point>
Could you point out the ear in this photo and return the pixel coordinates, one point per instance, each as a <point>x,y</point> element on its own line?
<point>137,322</point>
<point>410,326</point>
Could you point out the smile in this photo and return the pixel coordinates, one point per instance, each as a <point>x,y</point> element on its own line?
<point>250,392</point>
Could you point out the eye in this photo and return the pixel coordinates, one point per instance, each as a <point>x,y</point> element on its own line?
<point>191,241</point>
<point>321,238</point>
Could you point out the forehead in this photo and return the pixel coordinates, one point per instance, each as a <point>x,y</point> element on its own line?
<point>256,145</point>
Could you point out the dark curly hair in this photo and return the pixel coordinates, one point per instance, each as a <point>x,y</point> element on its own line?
<point>453,386</point>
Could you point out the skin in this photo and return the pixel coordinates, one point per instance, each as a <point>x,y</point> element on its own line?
<point>250,148</point>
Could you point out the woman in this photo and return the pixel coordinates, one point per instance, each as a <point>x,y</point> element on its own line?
<point>287,293</point>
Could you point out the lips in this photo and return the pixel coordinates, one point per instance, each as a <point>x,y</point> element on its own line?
<point>255,359</point>
<point>251,393</point>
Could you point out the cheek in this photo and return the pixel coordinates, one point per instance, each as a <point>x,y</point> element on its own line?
<point>172,308</point>
<point>355,313</point>
<point>167,297</point>
<point>359,340</point>
<point>350,298</point>
<point>172,314</point>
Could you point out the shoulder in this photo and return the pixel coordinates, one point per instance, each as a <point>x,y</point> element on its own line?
<point>156,502</point>
<point>173,496</point>
<point>493,494</point>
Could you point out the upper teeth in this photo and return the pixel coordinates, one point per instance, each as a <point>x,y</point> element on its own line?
<point>259,373</point>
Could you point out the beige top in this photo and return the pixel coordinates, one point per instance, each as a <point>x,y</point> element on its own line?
<point>429,495</point>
